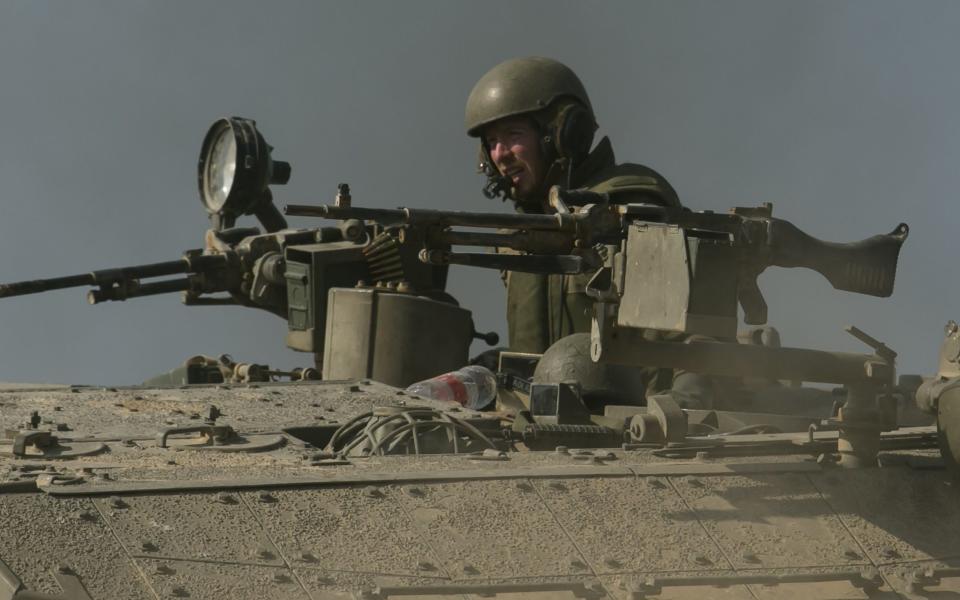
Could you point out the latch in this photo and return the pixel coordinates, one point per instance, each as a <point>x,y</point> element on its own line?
<point>45,445</point>
<point>217,438</point>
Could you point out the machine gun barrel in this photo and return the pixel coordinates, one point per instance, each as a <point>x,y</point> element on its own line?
<point>111,280</point>
<point>444,218</point>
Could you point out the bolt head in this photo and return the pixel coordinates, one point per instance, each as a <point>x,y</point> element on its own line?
<point>702,559</point>
<point>577,564</point>
<point>86,515</point>
<point>415,491</point>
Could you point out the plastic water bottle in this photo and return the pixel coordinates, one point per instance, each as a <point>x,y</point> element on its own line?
<point>472,387</point>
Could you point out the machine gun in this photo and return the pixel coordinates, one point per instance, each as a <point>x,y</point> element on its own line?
<point>667,269</point>
<point>291,272</point>
<point>589,234</point>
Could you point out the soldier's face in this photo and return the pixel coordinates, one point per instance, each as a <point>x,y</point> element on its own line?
<point>514,146</point>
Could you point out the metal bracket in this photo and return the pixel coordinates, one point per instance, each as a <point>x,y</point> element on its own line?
<point>37,439</point>
<point>215,433</point>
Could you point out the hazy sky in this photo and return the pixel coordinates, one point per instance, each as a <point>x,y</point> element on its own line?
<point>843,114</point>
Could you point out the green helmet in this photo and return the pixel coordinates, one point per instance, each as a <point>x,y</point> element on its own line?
<point>600,383</point>
<point>521,85</point>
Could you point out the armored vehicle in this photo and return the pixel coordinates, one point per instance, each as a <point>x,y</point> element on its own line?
<point>583,479</point>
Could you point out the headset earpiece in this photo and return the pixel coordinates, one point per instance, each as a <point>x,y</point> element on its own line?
<point>572,132</point>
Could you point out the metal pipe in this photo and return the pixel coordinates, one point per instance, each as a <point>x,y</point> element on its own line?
<point>627,346</point>
<point>411,216</point>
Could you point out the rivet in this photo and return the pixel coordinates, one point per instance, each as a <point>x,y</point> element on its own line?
<point>702,559</point>
<point>851,553</point>
<point>264,553</point>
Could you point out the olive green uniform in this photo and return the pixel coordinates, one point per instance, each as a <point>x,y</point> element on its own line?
<point>541,309</point>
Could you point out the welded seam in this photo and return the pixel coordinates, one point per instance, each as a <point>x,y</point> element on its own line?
<point>849,531</point>
<point>426,538</point>
<point>570,537</point>
<point>283,558</point>
<point>130,557</point>
<point>706,531</point>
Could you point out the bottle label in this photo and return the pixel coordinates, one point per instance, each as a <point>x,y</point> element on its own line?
<point>456,386</point>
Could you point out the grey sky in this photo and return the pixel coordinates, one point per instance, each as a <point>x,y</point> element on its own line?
<point>843,114</point>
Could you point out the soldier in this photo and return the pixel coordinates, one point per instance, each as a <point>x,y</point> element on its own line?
<point>536,127</point>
